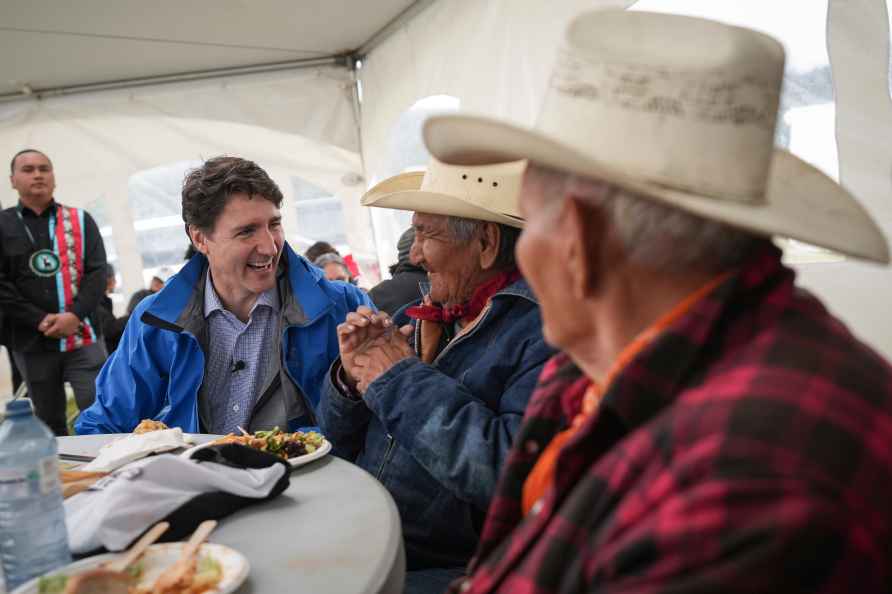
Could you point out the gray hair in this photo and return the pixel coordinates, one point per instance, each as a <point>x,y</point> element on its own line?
<point>654,234</point>
<point>463,230</point>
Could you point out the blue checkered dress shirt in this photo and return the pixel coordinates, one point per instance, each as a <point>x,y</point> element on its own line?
<point>239,357</point>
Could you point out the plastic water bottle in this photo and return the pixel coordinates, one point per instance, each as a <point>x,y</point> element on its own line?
<point>33,538</point>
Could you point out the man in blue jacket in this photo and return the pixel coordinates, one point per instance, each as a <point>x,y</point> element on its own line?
<point>431,409</point>
<point>242,336</point>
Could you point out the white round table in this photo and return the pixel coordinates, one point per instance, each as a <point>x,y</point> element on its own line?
<point>334,530</point>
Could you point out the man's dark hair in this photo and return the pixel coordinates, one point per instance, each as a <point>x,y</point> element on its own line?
<point>22,152</point>
<point>109,270</point>
<point>319,248</point>
<point>207,190</point>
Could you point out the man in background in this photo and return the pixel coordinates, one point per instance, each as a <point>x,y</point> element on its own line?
<point>112,327</point>
<point>52,277</point>
<point>160,277</point>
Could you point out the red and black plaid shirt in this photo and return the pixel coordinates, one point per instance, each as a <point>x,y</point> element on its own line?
<point>746,449</point>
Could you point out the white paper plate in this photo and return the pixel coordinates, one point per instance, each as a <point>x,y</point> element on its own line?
<point>294,462</point>
<point>156,559</point>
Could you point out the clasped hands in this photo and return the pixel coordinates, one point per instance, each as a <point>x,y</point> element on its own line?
<point>59,325</point>
<point>370,345</point>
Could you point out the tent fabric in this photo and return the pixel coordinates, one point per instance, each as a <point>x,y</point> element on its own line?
<point>495,58</point>
<point>298,123</point>
<point>858,45</point>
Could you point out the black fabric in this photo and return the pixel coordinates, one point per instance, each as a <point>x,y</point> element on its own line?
<point>216,505</point>
<point>111,328</point>
<point>38,225</point>
<point>390,295</point>
<point>136,298</point>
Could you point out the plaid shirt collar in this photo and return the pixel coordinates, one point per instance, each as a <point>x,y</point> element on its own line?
<point>638,393</point>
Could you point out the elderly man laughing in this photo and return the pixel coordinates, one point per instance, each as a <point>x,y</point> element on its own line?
<point>709,427</point>
<point>431,409</point>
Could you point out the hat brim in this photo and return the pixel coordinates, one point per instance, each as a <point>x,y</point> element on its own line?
<point>800,201</point>
<point>401,193</point>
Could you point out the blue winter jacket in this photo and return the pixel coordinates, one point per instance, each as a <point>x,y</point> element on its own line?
<point>436,435</point>
<point>157,371</point>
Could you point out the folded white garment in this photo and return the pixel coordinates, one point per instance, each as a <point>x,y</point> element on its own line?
<point>119,507</point>
<point>135,446</point>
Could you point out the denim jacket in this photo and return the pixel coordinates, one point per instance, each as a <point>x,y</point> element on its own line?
<point>436,435</point>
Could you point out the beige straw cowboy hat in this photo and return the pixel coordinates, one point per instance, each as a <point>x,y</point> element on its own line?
<point>487,192</point>
<point>681,110</point>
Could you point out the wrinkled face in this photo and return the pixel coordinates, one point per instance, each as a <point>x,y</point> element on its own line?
<point>544,263</point>
<point>334,271</point>
<point>33,179</point>
<point>244,247</point>
<point>453,267</point>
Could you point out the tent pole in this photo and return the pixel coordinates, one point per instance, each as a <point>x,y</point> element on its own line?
<point>355,65</point>
<point>390,28</point>
<point>339,60</point>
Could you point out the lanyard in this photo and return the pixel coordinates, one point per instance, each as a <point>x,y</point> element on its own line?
<point>18,212</point>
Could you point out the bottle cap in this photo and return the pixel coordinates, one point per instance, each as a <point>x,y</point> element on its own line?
<point>18,407</point>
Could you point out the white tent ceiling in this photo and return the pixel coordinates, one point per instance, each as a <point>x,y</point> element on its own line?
<point>46,44</point>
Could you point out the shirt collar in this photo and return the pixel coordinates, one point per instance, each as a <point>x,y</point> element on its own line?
<point>26,211</point>
<point>212,303</point>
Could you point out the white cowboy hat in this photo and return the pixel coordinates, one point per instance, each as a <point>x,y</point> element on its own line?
<point>678,109</point>
<point>486,192</point>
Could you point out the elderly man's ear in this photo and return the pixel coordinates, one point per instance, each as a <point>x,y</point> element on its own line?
<point>489,245</point>
<point>582,234</point>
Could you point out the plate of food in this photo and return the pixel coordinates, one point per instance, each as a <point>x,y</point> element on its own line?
<point>298,448</point>
<point>218,570</point>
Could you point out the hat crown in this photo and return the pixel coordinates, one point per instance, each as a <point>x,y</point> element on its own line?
<point>494,188</point>
<point>679,101</point>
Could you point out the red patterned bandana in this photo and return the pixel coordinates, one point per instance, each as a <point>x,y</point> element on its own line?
<point>468,310</point>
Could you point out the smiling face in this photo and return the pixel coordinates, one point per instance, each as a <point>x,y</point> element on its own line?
<point>453,267</point>
<point>32,177</point>
<point>243,249</point>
